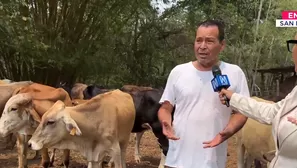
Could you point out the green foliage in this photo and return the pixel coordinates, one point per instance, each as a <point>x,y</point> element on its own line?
<point>128,42</point>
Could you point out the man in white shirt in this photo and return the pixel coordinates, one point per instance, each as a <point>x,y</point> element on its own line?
<point>201,123</point>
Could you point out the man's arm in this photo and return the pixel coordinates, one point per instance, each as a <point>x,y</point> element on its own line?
<point>165,117</point>
<point>165,112</point>
<point>167,100</point>
<point>236,122</point>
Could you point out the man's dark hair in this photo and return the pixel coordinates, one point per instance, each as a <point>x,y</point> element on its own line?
<point>217,23</point>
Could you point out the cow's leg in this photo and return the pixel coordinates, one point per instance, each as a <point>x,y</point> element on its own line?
<point>249,161</point>
<point>93,164</point>
<point>162,161</point>
<point>66,158</point>
<point>240,155</point>
<point>267,164</point>
<point>100,160</point>
<point>52,158</point>
<point>100,165</point>
<point>123,158</point>
<point>101,156</point>
<point>123,150</point>
<point>137,156</point>
<point>89,164</point>
<point>97,165</point>
<point>110,163</point>
<point>257,163</point>
<point>116,155</point>
<point>45,159</point>
<point>107,162</point>
<point>22,150</point>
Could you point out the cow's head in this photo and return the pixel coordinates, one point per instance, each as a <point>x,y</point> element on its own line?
<point>18,115</point>
<point>56,124</point>
<point>77,91</point>
<point>93,90</point>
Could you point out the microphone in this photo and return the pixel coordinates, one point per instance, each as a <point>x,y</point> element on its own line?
<point>220,81</point>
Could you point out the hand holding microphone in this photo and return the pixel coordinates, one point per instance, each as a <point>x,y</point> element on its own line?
<point>220,83</point>
<point>223,94</point>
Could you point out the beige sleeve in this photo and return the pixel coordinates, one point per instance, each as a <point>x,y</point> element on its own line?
<point>260,111</point>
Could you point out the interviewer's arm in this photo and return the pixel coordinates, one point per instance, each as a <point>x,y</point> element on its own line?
<point>260,111</point>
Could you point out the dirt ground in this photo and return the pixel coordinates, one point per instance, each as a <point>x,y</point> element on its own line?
<point>149,150</point>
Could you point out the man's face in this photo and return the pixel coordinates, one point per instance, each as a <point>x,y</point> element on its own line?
<point>207,45</point>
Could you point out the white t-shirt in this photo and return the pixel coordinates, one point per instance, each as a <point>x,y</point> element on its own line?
<point>199,115</point>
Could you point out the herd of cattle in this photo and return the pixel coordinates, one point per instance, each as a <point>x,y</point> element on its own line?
<point>98,122</point>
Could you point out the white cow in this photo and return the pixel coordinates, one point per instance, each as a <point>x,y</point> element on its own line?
<point>22,113</point>
<point>7,88</point>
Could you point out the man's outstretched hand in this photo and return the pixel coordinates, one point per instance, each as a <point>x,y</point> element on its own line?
<point>168,131</point>
<point>218,139</point>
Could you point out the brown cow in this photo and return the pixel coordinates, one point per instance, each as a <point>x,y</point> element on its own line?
<point>141,112</point>
<point>100,126</point>
<point>22,113</point>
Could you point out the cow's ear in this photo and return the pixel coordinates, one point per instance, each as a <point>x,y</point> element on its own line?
<point>26,99</point>
<point>35,116</point>
<point>71,126</point>
<point>16,91</point>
